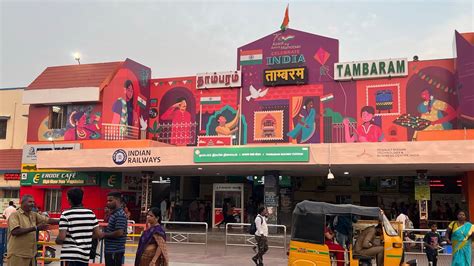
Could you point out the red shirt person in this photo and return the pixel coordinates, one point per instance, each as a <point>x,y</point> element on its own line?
<point>337,249</point>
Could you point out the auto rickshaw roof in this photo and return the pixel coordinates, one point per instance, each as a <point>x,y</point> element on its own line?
<point>314,207</point>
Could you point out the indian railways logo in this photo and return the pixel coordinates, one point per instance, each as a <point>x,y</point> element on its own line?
<point>119,157</point>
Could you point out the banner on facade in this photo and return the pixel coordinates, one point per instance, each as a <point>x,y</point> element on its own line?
<point>213,80</point>
<point>251,154</point>
<point>30,151</point>
<point>59,178</point>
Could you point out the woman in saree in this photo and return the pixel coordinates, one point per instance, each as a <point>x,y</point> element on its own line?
<point>459,233</point>
<point>152,250</point>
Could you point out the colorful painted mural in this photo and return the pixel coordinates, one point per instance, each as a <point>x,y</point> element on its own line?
<point>125,98</point>
<point>325,110</point>
<point>82,122</point>
<point>288,95</point>
<point>119,115</point>
<point>285,62</point>
<point>185,114</point>
<point>465,78</point>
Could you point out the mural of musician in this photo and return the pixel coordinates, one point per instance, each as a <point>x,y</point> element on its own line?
<point>368,131</point>
<point>305,122</point>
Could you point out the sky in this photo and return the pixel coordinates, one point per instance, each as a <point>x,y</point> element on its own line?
<point>182,38</point>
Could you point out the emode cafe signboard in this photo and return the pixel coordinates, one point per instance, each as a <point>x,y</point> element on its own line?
<point>371,69</point>
<point>229,79</point>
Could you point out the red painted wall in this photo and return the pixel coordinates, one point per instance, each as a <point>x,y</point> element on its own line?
<point>95,198</point>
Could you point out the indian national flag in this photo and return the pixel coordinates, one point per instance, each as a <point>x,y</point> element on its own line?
<point>211,100</point>
<point>327,97</point>
<point>141,102</point>
<point>251,57</point>
<point>286,19</point>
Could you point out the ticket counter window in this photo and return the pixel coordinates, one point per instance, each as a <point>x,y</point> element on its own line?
<point>227,204</point>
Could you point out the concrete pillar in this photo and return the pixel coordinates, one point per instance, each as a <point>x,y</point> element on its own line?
<point>271,198</point>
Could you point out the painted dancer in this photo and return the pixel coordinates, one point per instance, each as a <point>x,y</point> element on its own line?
<point>306,125</point>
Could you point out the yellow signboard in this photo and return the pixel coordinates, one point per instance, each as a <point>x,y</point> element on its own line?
<point>422,190</point>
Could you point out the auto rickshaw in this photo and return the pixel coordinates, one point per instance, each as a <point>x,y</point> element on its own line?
<point>307,245</point>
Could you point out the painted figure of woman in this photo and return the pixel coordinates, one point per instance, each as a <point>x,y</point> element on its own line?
<point>306,125</point>
<point>368,131</point>
<point>80,129</point>
<point>438,112</point>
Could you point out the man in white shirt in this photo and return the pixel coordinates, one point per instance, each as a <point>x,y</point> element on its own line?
<point>9,210</point>
<point>261,235</point>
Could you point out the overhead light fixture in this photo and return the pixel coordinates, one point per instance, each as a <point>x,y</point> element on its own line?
<point>330,174</point>
<point>52,141</point>
<point>346,173</point>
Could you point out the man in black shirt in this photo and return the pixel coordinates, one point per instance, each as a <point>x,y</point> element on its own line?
<point>431,242</point>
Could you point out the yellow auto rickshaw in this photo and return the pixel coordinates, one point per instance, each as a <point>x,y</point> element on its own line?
<point>307,245</point>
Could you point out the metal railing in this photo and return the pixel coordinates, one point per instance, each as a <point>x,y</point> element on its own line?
<point>177,133</point>
<point>183,237</point>
<point>120,132</point>
<point>338,133</point>
<point>173,236</point>
<point>416,246</point>
<point>247,240</point>
<point>43,259</point>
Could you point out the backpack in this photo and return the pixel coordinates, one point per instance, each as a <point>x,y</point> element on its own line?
<point>408,223</point>
<point>253,227</point>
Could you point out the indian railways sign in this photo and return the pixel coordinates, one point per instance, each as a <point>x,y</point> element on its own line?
<point>218,80</point>
<point>371,69</point>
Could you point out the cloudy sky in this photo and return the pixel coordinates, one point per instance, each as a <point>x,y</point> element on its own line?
<point>179,38</point>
